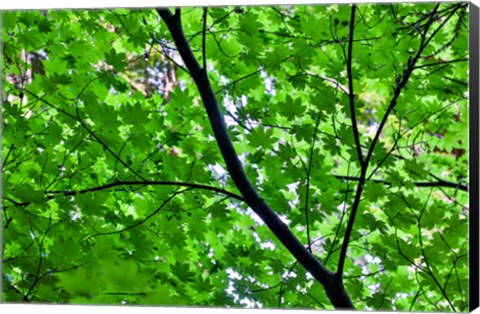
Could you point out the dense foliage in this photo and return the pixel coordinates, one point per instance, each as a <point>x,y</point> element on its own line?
<point>350,122</point>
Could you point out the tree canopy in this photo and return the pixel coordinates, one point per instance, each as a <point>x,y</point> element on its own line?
<point>269,156</point>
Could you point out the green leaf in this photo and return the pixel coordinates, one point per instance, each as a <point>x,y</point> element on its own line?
<point>261,137</point>
<point>116,60</point>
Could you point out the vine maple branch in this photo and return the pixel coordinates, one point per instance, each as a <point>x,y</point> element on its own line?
<point>401,82</point>
<point>145,183</point>
<point>334,288</point>
<point>428,268</point>
<point>351,94</point>
<point>307,191</point>
<point>156,211</point>
<point>440,63</point>
<point>438,183</point>
<point>204,36</point>
<point>5,160</point>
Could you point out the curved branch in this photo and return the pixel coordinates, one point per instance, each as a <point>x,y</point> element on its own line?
<point>164,203</point>
<point>334,288</point>
<point>144,183</point>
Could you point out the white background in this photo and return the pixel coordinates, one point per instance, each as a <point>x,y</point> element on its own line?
<point>30,4</point>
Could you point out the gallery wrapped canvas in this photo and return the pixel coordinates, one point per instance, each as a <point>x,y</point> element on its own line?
<point>312,156</point>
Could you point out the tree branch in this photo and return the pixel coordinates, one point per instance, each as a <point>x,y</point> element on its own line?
<point>145,183</point>
<point>238,80</point>
<point>439,63</point>
<point>351,94</point>
<point>401,82</point>
<point>332,81</point>
<point>156,211</point>
<point>307,191</point>
<point>4,161</point>
<point>204,36</point>
<point>438,183</point>
<point>334,288</point>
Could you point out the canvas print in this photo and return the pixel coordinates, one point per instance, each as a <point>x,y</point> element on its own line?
<point>296,156</point>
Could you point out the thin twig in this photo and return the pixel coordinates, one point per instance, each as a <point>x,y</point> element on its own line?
<point>4,162</point>
<point>438,183</point>
<point>204,35</point>
<point>307,191</point>
<point>164,203</point>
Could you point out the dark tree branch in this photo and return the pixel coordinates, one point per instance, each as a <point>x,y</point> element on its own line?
<point>165,53</point>
<point>139,183</point>
<point>41,248</point>
<point>204,36</point>
<point>456,81</point>
<point>141,222</point>
<point>4,161</point>
<point>401,82</point>
<point>219,45</point>
<point>56,271</point>
<point>238,80</point>
<point>99,140</point>
<point>126,293</point>
<point>351,220</point>
<point>414,299</point>
<point>240,123</point>
<point>334,288</point>
<point>145,183</point>
<point>438,183</point>
<point>25,298</point>
<point>421,66</point>
<point>334,241</point>
<point>215,22</point>
<point>307,191</point>
<point>428,268</point>
<point>351,94</point>
<point>428,116</point>
<point>365,275</point>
